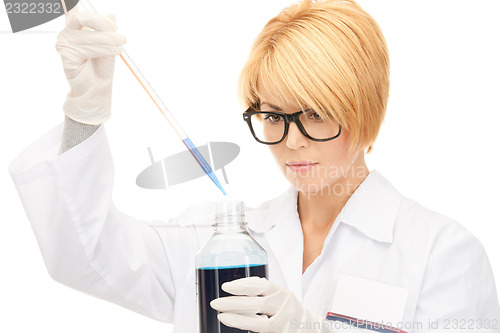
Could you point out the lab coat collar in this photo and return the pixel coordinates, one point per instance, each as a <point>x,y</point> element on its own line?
<point>272,212</point>
<point>372,209</point>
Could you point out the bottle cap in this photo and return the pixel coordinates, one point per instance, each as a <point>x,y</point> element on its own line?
<point>227,211</point>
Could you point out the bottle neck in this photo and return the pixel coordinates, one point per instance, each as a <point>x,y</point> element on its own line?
<point>230,224</point>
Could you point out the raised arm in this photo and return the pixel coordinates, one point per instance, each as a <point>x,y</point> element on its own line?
<point>65,182</point>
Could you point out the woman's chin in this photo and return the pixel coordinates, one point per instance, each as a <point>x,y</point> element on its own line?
<point>310,187</point>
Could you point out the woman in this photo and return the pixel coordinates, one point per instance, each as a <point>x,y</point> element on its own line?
<point>340,240</point>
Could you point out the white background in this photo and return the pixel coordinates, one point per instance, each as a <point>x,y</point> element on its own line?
<point>438,144</point>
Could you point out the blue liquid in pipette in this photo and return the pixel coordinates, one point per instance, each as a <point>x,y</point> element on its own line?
<point>204,165</point>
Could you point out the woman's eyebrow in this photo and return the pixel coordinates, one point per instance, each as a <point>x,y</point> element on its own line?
<point>277,108</point>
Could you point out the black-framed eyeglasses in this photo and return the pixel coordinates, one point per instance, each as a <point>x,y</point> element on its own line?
<point>270,127</point>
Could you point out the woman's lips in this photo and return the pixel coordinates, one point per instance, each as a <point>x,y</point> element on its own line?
<point>300,166</point>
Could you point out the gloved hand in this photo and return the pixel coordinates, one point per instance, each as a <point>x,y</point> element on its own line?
<point>88,58</point>
<point>279,310</point>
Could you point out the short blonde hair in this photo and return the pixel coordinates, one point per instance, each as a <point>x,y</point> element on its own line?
<point>326,55</point>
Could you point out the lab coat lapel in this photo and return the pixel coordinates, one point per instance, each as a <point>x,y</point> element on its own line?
<point>373,208</point>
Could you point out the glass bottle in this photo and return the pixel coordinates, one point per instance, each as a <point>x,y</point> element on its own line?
<point>231,253</point>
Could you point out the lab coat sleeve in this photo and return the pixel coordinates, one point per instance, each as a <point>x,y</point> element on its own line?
<point>85,241</point>
<point>458,291</point>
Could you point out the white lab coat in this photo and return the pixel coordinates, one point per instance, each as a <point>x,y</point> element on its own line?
<point>428,267</point>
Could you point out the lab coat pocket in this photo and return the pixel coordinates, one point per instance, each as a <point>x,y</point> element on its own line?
<point>368,301</point>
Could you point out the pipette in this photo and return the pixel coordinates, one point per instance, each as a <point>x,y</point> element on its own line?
<point>161,106</point>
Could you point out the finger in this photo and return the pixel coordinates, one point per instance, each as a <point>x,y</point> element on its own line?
<point>76,56</point>
<point>254,323</point>
<point>98,51</point>
<point>98,22</point>
<point>83,37</point>
<point>250,286</point>
<point>104,67</point>
<point>239,304</point>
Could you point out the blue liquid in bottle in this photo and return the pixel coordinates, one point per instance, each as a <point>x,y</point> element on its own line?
<point>230,254</point>
<point>210,281</point>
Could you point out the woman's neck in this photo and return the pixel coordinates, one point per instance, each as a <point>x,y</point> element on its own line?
<point>319,210</point>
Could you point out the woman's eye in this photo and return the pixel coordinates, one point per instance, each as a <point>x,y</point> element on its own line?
<point>314,116</point>
<point>272,118</point>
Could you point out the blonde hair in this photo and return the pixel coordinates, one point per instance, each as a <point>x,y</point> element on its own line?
<point>329,56</point>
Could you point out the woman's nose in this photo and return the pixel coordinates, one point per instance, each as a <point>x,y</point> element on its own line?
<point>295,139</point>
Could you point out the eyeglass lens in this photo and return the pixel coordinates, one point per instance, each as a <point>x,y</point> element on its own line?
<point>270,127</point>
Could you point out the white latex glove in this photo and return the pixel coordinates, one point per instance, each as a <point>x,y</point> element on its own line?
<point>279,309</point>
<point>88,58</point>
